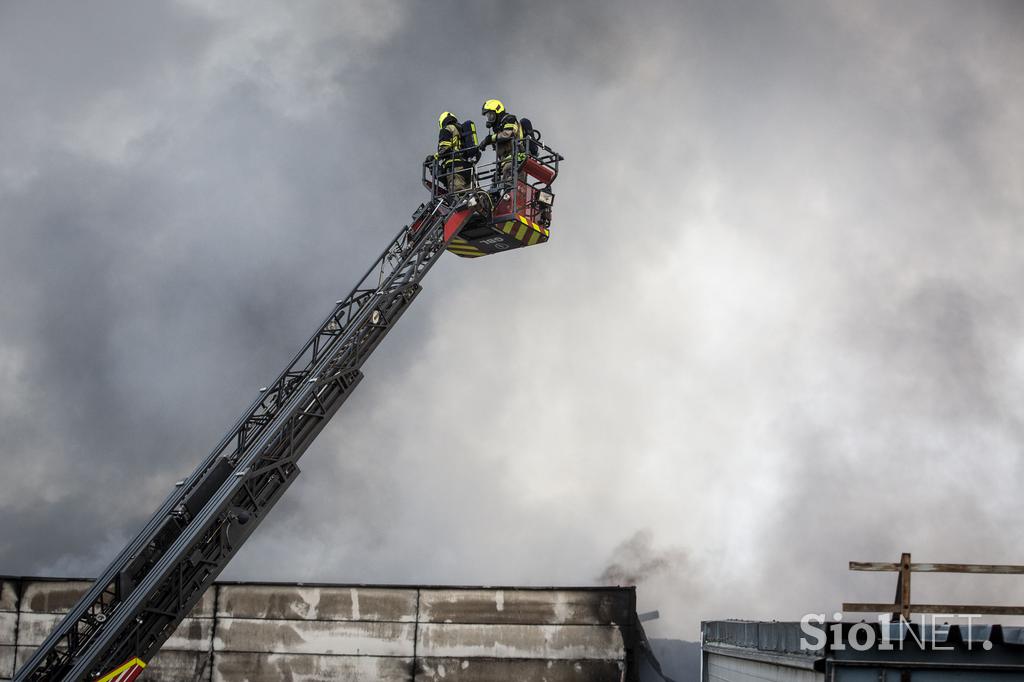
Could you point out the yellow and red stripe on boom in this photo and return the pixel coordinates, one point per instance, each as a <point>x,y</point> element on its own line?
<point>128,672</point>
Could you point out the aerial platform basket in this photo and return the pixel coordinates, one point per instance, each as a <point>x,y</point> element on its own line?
<point>513,203</point>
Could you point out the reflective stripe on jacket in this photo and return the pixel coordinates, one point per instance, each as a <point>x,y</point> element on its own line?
<point>449,141</point>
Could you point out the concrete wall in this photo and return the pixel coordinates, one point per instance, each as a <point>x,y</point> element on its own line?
<point>269,632</point>
<point>8,628</point>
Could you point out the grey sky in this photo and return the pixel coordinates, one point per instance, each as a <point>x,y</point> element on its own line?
<point>777,327</point>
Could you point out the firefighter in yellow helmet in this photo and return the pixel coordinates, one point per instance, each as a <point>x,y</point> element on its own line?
<point>505,133</point>
<point>453,171</point>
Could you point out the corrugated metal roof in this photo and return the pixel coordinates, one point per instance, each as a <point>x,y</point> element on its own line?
<point>784,637</point>
<point>892,645</point>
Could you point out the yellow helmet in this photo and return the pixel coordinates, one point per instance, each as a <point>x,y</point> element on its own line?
<point>444,117</point>
<point>492,109</point>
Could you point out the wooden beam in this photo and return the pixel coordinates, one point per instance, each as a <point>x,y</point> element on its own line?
<point>945,609</point>
<point>874,566</point>
<point>997,569</point>
<point>903,590</point>
<point>968,568</point>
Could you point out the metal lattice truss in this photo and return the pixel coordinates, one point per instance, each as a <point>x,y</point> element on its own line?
<point>137,603</point>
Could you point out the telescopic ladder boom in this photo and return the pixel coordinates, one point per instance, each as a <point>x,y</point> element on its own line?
<point>140,599</point>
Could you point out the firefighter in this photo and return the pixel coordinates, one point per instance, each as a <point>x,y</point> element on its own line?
<point>504,135</point>
<point>454,173</point>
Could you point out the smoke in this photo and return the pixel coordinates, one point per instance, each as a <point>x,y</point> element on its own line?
<point>777,324</point>
<point>635,561</point>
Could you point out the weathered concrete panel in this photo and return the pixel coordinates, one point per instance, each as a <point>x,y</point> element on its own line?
<point>238,667</point>
<point>22,654</point>
<point>34,627</point>
<point>295,602</point>
<point>477,670</point>
<point>179,666</point>
<point>539,607</point>
<point>48,596</point>
<point>170,665</point>
<point>557,642</point>
<point>315,637</point>
<point>193,634</point>
<point>6,662</point>
<point>8,595</point>
<point>8,628</point>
